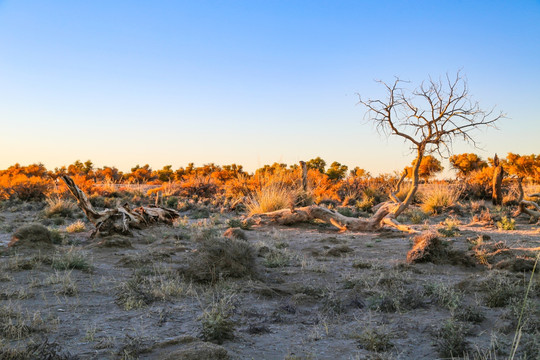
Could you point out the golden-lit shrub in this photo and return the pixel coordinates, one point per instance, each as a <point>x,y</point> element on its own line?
<point>239,187</point>
<point>322,187</point>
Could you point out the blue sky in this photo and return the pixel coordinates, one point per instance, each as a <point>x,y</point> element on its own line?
<point>250,82</point>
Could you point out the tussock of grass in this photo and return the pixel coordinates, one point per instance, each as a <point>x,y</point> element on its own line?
<point>31,235</point>
<point>66,285</point>
<point>71,260</point>
<point>439,197</point>
<point>77,226</point>
<point>14,325</point>
<point>451,340</point>
<point>216,322</point>
<point>500,290</point>
<point>134,293</point>
<point>219,258</point>
<point>444,295</point>
<point>270,198</point>
<point>58,207</point>
<point>375,339</point>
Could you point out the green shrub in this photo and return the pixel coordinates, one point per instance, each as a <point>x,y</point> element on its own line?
<point>506,223</point>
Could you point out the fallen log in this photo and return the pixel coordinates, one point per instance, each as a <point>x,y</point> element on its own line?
<point>123,219</point>
<point>343,223</point>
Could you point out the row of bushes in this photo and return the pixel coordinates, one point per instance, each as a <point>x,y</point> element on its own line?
<point>359,188</point>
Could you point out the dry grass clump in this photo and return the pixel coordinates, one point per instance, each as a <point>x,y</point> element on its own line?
<point>59,207</point>
<point>72,259</point>
<point>14,325</point>
<point>270,198</point>
<point>450,340</point>
<point>235,233</point>
<point>147,285</point>
<point>218,258</point>
<point>500,289</point>
<point>216,322</point>
<point>444,295</point>
<point>66,285</point>
<point>77,226</point>
<point>375,339</point>
<point>134,293</point>
<point>427,248</point>
<point>43,349</point>
<point>439,197</point>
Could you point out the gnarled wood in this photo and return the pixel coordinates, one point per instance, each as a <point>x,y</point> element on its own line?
<point>523,208</point>
<point>122,219</point>
<point>344,223</point>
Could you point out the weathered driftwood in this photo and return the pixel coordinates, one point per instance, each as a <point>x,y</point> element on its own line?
<point>499,256</point>
<point>313,212</point>
<point>525,206</point>
<point>122,219</point>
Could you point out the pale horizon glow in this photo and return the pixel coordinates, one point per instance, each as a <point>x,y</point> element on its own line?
<point>172,82</point>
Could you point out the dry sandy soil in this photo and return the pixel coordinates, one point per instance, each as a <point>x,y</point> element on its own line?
<point>302,292</point>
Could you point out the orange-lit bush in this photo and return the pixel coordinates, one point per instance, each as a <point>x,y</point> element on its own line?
<point>478,185</point>
<point>201,186</point>
<point>24,187</point>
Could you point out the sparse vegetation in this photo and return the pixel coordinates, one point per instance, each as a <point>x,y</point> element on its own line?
<point>375,339</point>
<point>301,277</point>
<point>71,259</point>
<point>450,340</point>
<point>217,325</point>
<point>218,259</point>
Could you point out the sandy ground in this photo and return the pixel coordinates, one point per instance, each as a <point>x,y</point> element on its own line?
<point>314,294</point>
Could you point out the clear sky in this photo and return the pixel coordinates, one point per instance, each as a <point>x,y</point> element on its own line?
<point>250,82</point>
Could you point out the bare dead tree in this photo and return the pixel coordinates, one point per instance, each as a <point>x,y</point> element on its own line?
<point>430,118</point>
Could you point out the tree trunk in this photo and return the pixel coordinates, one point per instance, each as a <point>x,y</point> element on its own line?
<point>303,166</point>
<point>122,219</point>
<point>498,175</point>
<point>410,195</point>
<point>393,194</point>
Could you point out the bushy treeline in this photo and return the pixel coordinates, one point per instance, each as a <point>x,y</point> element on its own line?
<point>335,183</point>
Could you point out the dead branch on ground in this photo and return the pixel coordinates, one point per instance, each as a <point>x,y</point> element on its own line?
<point>123,219</point>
